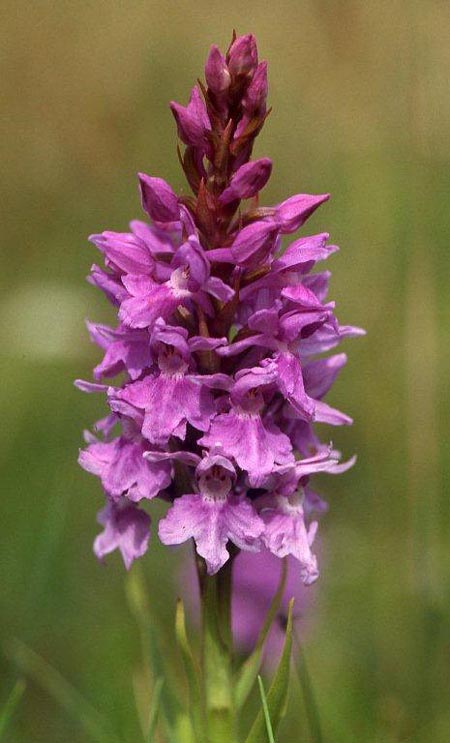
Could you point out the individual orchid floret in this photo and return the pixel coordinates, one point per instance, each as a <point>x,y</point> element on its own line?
<point>255,243</point>
<point>284,480</point>
<point>158,199</point>
<point>286,533</point>
<point>255,442</point>
<point>148,299</point>
<point>124,252</point>
<point>328,337</point>
<point>122,469</point>
<point>125,350</point>
<point>170,397</point>
<point>291,267</point>
<point>126,529</point>
<point>213,516</point>
<point>274,329</point>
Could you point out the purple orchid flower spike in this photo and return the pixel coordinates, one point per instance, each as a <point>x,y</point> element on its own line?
<point>219,354</point>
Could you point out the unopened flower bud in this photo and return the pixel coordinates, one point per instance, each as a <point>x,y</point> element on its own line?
<point>158,199</point>
<point>192,120</point>
<point>256,95</point>
<point>293,212</point>
<point>243,55</point>
<point>254,243</point>
<point>248,180</point>
<point>216,71</point>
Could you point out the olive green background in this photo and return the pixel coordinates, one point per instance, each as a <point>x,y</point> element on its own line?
<point>361,108</point>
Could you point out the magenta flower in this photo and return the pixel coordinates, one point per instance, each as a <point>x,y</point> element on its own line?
<point>248,180</point>
<point>158,199</point>
<point>122,469</point>
<point>213,516</point>
<point>126,529</point>
<point>255,442</point>
<point>219,345</point>
<point>193,121</point>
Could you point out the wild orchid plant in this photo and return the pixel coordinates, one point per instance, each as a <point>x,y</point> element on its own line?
<point>219,341</point>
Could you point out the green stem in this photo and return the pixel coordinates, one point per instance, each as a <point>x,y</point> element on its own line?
<point>217,655</point>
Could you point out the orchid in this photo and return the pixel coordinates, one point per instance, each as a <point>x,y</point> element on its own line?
<point>218,349</point>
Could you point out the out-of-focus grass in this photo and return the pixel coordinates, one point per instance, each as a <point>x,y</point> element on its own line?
<point>361,108</point>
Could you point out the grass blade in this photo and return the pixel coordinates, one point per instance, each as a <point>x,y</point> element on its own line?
<point>278,692</point>
<point>11,704</point>
<point>312,711</point>
<point>35,667</point>
<point>155,651</point>
<point>249,670</point>
<point>270,734</point>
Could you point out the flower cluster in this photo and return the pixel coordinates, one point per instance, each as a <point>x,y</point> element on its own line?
<point>219,339</point>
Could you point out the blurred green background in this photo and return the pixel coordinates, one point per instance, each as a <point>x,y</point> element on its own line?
<point>360,93</point>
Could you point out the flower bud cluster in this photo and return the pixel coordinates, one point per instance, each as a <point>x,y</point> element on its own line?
<point>218,346</point>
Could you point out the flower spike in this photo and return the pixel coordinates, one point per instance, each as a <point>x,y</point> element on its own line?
<point>219,350</point>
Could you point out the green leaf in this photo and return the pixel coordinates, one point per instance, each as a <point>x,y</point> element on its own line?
<point>249,670</point>
<point>11,703</point>
<point>278,692</point>
<point>311,708</point>
<point>155,651</point>
<point>31,664</point>
<point>193,675</point>
<point>154,710</point>
<point>266,710</point>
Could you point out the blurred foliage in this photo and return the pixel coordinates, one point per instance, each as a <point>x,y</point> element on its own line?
<point>362,109</point>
